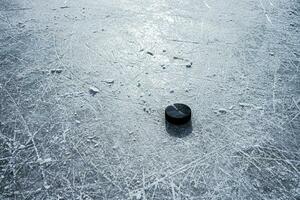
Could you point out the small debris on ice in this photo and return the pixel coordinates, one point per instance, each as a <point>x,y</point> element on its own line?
<point>56,71</point>
<point>91,137</point>
<point>109,81</point>
<point>222,110</point>
<point>177,58</point>
<point>171,91</point>
<point>149,53</point>
<point>131,132</point>
<point>245,105</point>
<point>64,7</point>
<point>164,51</point>
<point>272,53</point>
<point>139,85</point>
<point>93,90</point>
<point>189,65</point>
<point>21,25</point>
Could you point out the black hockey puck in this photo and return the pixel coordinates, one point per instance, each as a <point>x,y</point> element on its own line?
<point>178,113</point>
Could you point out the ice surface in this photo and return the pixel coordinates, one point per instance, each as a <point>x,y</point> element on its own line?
<point>234,62</point>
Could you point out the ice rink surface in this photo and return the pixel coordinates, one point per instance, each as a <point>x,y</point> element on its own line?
<point>84,84</point>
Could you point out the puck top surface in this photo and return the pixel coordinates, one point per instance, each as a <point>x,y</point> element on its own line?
<point>178,113</point>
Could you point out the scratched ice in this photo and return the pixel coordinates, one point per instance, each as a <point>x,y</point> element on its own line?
<point>84,84</point>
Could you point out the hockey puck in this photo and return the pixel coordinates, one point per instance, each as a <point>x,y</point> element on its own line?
<point>178,113</point>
